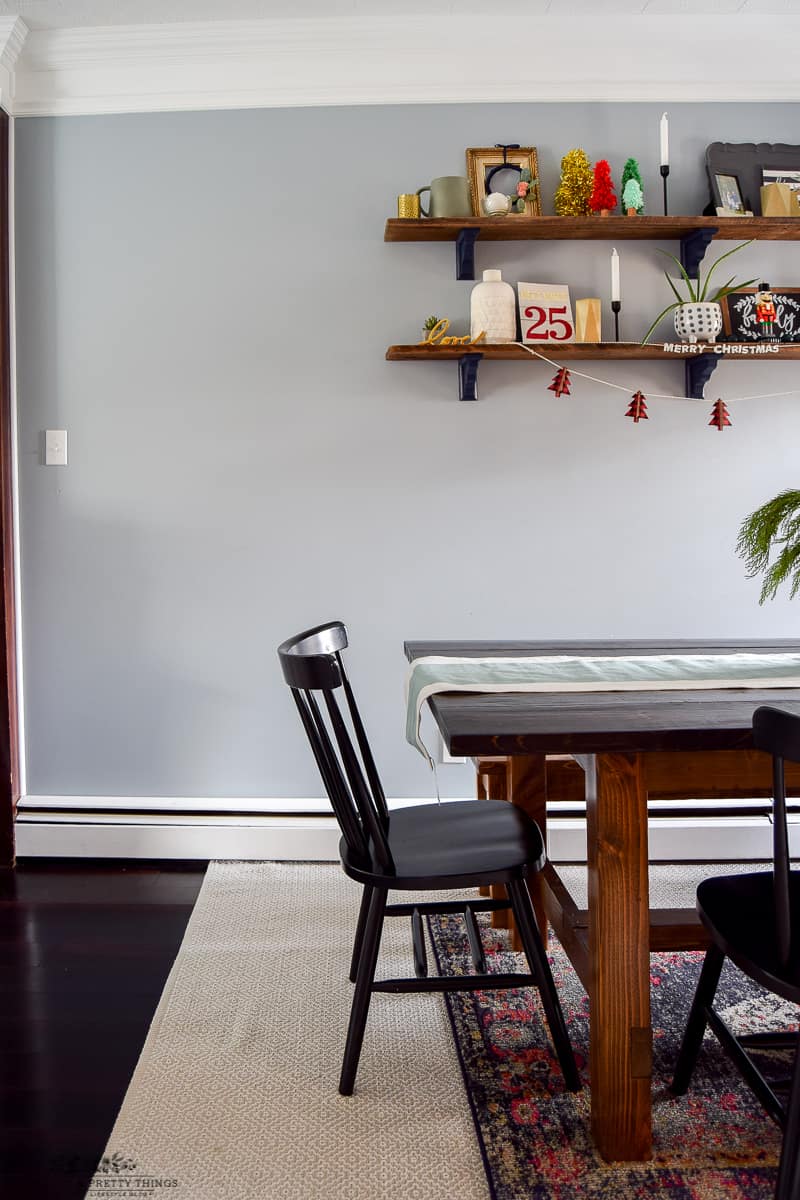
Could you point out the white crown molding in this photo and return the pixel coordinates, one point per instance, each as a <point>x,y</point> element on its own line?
<point>13,35</point>
<point>401,60</point>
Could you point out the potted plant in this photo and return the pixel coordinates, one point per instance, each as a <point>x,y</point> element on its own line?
<point>775,526</point>
<point>698,315</point>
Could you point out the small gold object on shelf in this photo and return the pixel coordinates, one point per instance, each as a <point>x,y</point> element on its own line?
<point>408,206</point>
<point>435,336</point>
<point>779,200</point>
<point>588,320</point>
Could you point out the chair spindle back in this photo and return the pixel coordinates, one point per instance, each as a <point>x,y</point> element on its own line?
<point>312,664</point>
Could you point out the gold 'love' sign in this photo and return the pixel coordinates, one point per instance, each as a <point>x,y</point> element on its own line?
<point>436,336</point>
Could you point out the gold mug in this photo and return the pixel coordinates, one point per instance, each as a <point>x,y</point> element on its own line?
<point>408,205</point>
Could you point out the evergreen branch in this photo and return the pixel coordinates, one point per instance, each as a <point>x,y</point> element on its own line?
<point>775,524</point>
<point>785,567</point>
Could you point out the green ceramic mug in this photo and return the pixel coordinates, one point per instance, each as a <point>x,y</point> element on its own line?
<point>449,197</point>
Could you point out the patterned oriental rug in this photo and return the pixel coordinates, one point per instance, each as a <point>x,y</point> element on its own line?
<point>715,1143</point>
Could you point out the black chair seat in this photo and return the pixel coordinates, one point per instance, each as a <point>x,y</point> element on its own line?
<point>739,913</point>
<point>459,844</point>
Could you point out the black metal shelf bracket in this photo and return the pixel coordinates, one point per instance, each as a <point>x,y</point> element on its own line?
<point>465,253</point>
<point>693,248</point>
<point>698,372</point>
<point>468,376</point>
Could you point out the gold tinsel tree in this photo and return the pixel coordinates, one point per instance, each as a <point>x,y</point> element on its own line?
<point>575,188</point>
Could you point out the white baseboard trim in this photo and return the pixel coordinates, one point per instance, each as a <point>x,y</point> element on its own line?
<point>79,829</point>
<point>304,839</point>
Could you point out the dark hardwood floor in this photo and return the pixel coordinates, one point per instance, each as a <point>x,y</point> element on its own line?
<point>85,950</point>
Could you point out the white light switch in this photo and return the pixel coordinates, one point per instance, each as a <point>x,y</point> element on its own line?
<point>55,447</point>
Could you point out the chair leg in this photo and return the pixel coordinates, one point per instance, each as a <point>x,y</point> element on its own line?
<point>696,1025</point>
<point>788,1186</point>
<point>537,960</point>
<point>363,990</point>
<point>362,920</point>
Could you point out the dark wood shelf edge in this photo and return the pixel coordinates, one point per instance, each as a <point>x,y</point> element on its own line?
<point>444,229</point>
<point>589,351</point>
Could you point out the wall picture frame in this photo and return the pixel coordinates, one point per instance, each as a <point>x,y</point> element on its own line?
<point>728,192</point>
<point>499,169</point>
<point>739,316</point>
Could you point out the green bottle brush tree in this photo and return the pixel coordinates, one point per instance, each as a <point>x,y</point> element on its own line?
<point>774,527</point>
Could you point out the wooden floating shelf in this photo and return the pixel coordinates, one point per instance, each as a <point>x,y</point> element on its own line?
<point>512,352</point>
<point>699,364</point>
<point>525,229</point>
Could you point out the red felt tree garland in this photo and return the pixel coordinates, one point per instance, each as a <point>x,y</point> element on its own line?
<point>638,408</point>
<point>720,415</point>
<point>561,382</point>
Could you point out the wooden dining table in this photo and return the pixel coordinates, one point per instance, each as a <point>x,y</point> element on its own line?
<point>631,745</point>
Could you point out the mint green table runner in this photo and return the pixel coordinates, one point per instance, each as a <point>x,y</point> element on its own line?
<point>562,673</point>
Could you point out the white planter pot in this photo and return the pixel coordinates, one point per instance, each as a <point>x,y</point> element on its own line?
<point>698,322</point>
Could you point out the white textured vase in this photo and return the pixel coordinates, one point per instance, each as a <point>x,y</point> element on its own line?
<point>698,322</point>
<point>493,309</point>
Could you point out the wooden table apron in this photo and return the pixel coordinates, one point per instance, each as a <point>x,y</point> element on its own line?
<point>631,745</point>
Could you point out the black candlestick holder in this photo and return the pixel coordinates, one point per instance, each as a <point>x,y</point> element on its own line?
<point>664,174</point>
<point>616,305</point>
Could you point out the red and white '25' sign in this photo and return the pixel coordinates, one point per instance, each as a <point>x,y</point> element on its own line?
<point>545,313</point>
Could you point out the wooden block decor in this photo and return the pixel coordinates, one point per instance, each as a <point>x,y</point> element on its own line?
<point>588,321</point>
<point>778,200</point>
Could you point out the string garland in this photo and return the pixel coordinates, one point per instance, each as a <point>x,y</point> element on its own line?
<point>652,395</point>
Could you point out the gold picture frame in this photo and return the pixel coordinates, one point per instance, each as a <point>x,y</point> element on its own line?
<point>482,161</point>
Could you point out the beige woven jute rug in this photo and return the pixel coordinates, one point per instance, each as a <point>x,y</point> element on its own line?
<point>235,1094</point>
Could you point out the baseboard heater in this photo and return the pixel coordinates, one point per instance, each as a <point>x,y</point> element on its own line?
<point>291,830</point>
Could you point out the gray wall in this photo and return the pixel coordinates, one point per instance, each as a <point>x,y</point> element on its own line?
<point>204,302</point>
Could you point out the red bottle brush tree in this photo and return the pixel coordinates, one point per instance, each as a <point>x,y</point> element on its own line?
<point>603,197</point>
<point>638,408</point>
<point>561,382</point>
<point>720,417</point>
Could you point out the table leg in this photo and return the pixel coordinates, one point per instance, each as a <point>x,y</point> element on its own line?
<point>497,789</point>
<point>621,1035</point>
<point>526,780</point>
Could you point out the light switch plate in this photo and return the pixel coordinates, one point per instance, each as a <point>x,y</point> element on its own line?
<point>55,447</point>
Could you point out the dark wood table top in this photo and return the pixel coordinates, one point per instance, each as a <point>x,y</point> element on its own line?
<point>590,722</point>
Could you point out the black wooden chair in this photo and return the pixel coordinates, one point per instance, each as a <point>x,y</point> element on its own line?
<point>430,847</point>
<point>754,921</point>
